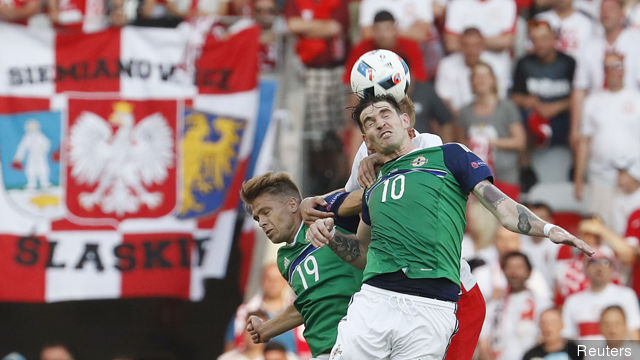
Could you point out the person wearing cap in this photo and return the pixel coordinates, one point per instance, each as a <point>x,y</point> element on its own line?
<point>581,311</point>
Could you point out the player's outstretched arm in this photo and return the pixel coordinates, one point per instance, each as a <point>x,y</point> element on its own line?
<point>349,247</point>
<point>262,331</point>
<point>518,218</point>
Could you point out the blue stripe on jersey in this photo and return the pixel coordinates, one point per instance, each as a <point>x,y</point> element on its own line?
<point>335,200</point>
<point>308,250</point>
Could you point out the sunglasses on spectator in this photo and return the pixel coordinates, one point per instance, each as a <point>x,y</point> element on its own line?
<point>600,261</point>
<point>269,10</point>
<point>615,66</point>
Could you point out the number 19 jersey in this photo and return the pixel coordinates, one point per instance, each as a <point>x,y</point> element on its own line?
<point>323,284</point>
<point>417,212</point>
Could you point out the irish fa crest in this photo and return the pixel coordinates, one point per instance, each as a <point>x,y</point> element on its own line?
<point>419,161</point>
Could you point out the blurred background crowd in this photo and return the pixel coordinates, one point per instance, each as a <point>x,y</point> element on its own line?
<point>546,92</point>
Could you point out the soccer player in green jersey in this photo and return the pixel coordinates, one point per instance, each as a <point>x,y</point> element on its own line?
<point>413,219</point>
<point>322,282</point>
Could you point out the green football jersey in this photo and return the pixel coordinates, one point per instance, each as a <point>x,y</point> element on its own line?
<point>417,212</point>
<point>323,284</point>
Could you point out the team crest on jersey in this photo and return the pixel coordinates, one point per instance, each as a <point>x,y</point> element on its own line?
<point>419,161</point>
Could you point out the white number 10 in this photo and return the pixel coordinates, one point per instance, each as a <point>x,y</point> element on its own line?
<point>394,195</point>
<point>313,270</point>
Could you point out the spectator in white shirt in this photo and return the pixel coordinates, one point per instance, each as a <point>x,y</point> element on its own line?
<point>581,311</point>
<point>610,129</point>
<point>589,72</point>
<point>576,28</point>
<point>453,80</point>
<point>510,327</point>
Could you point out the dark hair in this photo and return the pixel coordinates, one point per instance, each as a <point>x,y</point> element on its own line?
<point>370,100</point>
<point>383,16</point>
<point>515,254</point>
<point>275,346</point>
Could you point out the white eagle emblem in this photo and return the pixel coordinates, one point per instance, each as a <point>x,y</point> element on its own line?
<point>419,161</point>
<point>122,164</point>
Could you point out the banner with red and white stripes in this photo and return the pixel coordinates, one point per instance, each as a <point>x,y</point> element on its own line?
<point>120,162</point>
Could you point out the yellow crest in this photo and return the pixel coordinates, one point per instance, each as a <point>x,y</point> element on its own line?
<point>123,107</point>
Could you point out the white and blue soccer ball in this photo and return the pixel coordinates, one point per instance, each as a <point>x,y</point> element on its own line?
<point>380,72</point>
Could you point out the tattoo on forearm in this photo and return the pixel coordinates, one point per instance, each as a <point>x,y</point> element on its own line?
<point>345,246</point>
<point>523,219</point>
<point>494,196</point>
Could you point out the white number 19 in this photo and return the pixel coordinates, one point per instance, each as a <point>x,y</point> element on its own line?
<point>310,270</point>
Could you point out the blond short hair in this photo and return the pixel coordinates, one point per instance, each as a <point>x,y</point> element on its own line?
<point>276,184</point>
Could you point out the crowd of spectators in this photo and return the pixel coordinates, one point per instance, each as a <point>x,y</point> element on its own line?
<point>511,79</point>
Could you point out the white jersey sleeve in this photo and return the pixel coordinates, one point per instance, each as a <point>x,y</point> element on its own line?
<point>352,183</point>
<point>426,140</point>
<point>422,141</point>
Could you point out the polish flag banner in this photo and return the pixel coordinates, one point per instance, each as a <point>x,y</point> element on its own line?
<point>121,160</point>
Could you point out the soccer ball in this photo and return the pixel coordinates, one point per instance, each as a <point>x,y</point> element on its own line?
<point>380,72</point>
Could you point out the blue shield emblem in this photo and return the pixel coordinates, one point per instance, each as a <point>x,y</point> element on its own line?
<point>30,158</point>
<point>210,145</point>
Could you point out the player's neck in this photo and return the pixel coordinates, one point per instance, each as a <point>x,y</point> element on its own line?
<point>404,149</point>
<point>297,224</point>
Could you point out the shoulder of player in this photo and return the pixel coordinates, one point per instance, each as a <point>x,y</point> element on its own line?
<point>425,140</point>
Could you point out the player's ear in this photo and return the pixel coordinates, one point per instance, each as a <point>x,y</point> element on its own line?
<point>406,120</point>
<point>293,204</point>
<point>364,138</point>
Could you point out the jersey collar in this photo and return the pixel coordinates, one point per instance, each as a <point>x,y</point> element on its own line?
<point>295,238</point>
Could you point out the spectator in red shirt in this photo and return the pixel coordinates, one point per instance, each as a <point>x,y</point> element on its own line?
<point>322,44</point>
<point>385,36</point>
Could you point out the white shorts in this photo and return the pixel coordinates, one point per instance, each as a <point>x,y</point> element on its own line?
<point>321,357</point>
<point>382,324</point>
